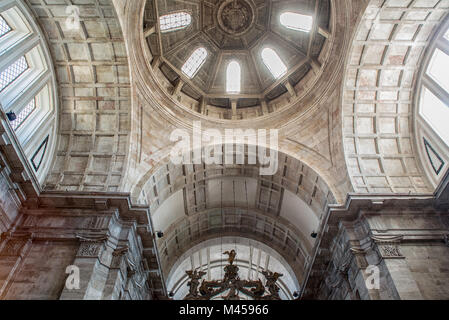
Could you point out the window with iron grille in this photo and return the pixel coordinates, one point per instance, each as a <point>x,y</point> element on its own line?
<point>175,21</point>
<point>4,27</point>
<point>194,63</point>
<point>24,114</point>
<point>14,71</point>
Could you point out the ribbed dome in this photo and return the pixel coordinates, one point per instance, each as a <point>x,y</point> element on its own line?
<point>209,35</point>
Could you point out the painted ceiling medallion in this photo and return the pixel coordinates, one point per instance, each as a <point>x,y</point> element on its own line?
<point>235,17</point>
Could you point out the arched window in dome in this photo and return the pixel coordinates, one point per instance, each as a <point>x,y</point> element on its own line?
<point>233,77</point>
<point>175,21</point>
<point>296,21</point>
<point>273,63</point>
<point>195,62</point>
<point>4,27</point>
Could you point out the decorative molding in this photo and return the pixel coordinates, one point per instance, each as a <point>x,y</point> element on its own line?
<point>386,239</point>
<point>91,238</point>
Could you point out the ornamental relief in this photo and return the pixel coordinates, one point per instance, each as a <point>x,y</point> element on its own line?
<point>89,249</point>
<point>390,251</point>
<point>388,246</point>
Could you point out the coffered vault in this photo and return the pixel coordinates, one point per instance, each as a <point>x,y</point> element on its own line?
<point>381,73</point>
<point>94,92</point>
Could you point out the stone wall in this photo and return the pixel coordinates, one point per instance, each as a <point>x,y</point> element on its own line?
<point>107,242</point>
<point>404,237</point>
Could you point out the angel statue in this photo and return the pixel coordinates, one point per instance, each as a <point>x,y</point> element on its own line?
<point>194,282</point>
<point>231,255</point>
<point>272,278</point>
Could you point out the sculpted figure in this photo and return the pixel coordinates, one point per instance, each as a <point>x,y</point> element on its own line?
<point>231,255</point>
<point>195,277</point>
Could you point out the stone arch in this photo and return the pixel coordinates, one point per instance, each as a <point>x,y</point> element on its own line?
<point>192,202</point>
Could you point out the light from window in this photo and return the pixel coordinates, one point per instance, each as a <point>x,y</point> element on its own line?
<point>174,21</point>
<point>24,114</point>
<point>194,63</point>
<point>273,63</point>
<point>447,34</point>
<point>233,77</point>
<point>436,113</point>
<point>13,72</point>
<point>297,21</point>
<point>438,69</point>
<point>4,27</point>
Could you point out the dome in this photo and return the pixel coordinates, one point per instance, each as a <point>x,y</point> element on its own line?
<point>277,48</point>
